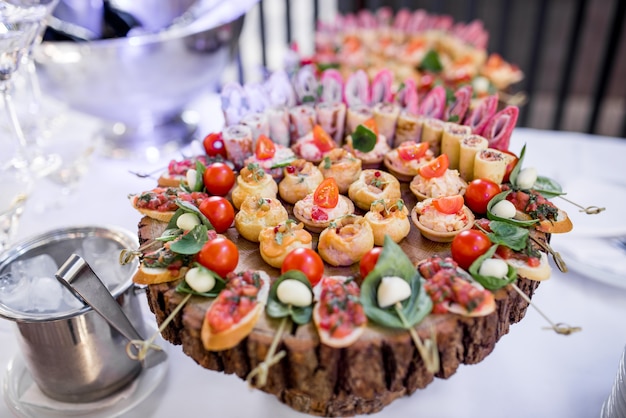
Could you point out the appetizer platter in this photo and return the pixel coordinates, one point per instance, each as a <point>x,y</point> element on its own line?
<point>343,244</point>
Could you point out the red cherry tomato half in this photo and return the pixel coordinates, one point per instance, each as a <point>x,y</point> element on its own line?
<point>265,148</point>
<point>220,255</point>
<point>510,165</point>
<point>307,261</point>
<point>219,178</point>
<point>219,211</point>
<point>371,125</point>
<point>435,168</point>
<point>448,204</point>
<point>327,194</point>
<point>478,194</point>
<point>411,151</point>
<point>369,260</point>
<point>214,145</point>
<point>322,140</point>
<point>468,245</point>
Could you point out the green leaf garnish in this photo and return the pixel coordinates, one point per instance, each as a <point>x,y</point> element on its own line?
<point>170,234</point>
<point>284,163</point>
<point>192,242</point>
<point>548,187</point>
<point>363,139</point>
<point>499,197</point>
<point>431,62</point>
<point>518,167</point>
<point>491,282</point>
<point>187,207</point>
<point>276,309</point>
<point>507,234</point>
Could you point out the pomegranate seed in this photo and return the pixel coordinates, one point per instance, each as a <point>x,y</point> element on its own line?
<point>291,169</point>
<point>377,174</point>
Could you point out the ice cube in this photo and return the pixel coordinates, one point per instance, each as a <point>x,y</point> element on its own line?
<point>102,255</point>
<point>13,291</point>
<point>42,265</point>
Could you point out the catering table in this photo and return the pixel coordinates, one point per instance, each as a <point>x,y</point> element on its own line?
<point>532,372</point>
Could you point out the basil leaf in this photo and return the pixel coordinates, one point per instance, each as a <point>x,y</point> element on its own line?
<point>191,208</point>
<point>284,163</point>
<point>363,139</point>
<point>548,187</point>
<point>192,242</point>
<point>453,118</point>
<point>394,262</point>
<point>499,197</point>
<point>170,234</point>
<point>491,282</point>
<point>431,62</point>
<point>509,235</point>
<point>183,287</point>
<point>200,169</point>
<point>518,167</point>
<point>276,309</point>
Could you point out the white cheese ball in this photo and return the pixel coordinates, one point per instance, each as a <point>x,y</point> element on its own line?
<point>504,209</point>
<point>187,221</point>
<point>294,292</point>
<point>191,178</point>
<point>199,279</point>
<point>391,290</point>
<point>494,267</point>
<point>526,178</point>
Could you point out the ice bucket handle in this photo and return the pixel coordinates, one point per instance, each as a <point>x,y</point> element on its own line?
<point>79,278</point>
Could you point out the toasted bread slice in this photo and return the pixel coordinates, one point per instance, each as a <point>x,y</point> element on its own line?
<point>561,225</point>
<point>154,214</point>
<point>539,273</point>
<point>152,275</point>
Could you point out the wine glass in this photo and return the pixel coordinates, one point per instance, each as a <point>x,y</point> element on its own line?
<point>21,24</point>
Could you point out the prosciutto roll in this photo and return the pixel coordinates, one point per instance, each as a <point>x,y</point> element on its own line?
<point>432,131</point>
<point>305,85</point>
<point>469,147</point>
<point>357,89</point>
<point>479,115</point>
<point>434,103</point>
<point>408,128</point>
<point>490,164</point>
<point>234,103</point>
<point>332,86</point>
<point>381,87</point>
<point>238,144</point>
<point>356,116</point>
<point>258,124</point>
<point>453,134</point>
<point>302,119</point>
<point>278,121</point>
<point>458,108</point>
<point>332,117</point>
<point>500,127</point>
<point>386,117</point>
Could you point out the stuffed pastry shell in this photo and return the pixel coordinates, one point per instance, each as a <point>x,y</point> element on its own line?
<point>345,241</point>
<point>405,161</point>
<point>318,209</point>
<point>278,241</point>
<point>449,184</point>
<point>343,166</point>
<point>253,181</point>
<point>257,213</point>
<point>437,225</point>
<point>373,158</point>
<point>301,177</point>
<point>388,218</point>
<point>374,185</point>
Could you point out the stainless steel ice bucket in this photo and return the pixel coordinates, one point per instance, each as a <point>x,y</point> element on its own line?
<point>75,356</point>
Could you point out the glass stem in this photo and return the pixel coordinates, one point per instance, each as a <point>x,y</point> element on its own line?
<point>13,120</point>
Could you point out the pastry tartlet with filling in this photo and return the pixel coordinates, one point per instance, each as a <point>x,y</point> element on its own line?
<point>257,213</point>
<point>253,181</point>
<point>373,158</point>
<point>374,185</point>
<point>301,178</point>
<point>269,156</point>
<point>388,218</point>
<point>435,180</point>
<point>443,218</point>
<point>405,160</point>
<point>278,241</point>
<point>318,209</point>
<point>314,145</point>
<point>345,241</point>
<point>343,166</point>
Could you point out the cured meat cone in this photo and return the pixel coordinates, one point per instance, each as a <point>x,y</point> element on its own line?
<point>434,103</point>
<point>500,127</point>
<point>458,109</point>
<point>479,115</point>
<point>357,89</point>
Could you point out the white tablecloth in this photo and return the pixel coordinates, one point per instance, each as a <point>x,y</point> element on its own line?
<point>532,372</point>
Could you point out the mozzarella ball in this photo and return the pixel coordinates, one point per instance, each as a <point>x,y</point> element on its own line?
<point>391,290</point>
<point>494,267</point>
<point>526,178</point>
<point>199,279</point>
<point>294,292</point>
<point>187,221</point>
<point>191,178</point>
<point>504,209</point>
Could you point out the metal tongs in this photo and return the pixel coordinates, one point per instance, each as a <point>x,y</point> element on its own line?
<point>80,279</point>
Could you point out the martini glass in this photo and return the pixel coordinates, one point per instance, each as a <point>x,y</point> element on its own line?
<point>21,23</point>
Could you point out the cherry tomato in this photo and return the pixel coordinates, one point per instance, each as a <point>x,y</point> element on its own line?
<point>265,148</point>
<point>411,151</point>
<point>510,165</point>
<point>219,211</point>
<point>322,140</point>
<point>478,194</point>
<point>435,168</point>
<point>214,145</point>
<point>369,260</point>
<point>468,245</point>
<point>307,261</point>
<point>371,125</point>
<point>220,255</point>
<point>448,204</point>
<point>219,178</point>
<point>327,194</point>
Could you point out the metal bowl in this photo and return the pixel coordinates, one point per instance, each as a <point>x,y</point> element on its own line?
<point>141,84</point>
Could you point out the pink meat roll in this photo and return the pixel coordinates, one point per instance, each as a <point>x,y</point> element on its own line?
<point>500,127</point>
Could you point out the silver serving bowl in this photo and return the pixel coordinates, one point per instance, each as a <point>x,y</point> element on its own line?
<point>141,84</point>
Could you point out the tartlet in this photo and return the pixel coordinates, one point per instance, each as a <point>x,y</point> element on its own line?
<point>253,181</point>
<point>374,185</point>
<point>278,241</point>
<point>343,166</point>
<point>257,213</point>
<point>440,227</point>
<point>449,184</point>
<point>315,218</point>
<point>373,158</point>
<point>404,169</point>
<point>345,241</point>
<point>388,218</point>
<point>301,178</point>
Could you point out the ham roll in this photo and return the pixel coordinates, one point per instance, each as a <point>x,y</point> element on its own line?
<point>469,147</point>
<point>432,131</point>
<point>302,119</point>
<point>332,117</point>
<point>408,128</point>
<point>386,117</point>
<point>238,143</point>
<point>490,164</point>
<point>357,115</point>
<point>258,124</point>
<point>451,138</point>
